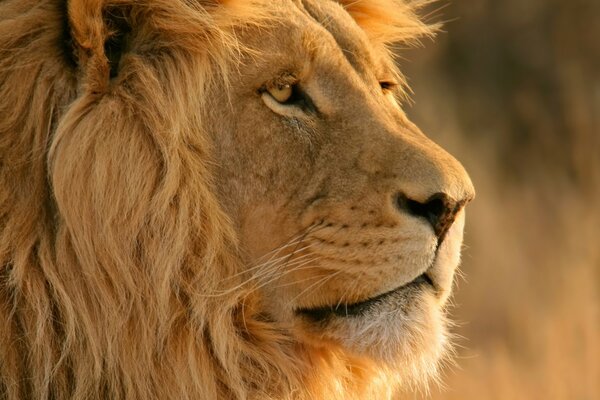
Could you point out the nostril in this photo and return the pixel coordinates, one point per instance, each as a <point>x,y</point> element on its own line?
<point>439,210</point>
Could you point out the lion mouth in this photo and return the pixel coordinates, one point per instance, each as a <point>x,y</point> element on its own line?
<point>359,309</point>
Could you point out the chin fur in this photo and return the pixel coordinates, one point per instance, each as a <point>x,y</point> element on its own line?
<point>406,340</point>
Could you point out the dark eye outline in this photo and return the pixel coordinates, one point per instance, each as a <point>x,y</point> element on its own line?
<point>299,98</point>
<point>388,86</point>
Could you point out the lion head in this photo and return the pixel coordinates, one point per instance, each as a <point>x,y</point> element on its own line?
<point>218,199</point>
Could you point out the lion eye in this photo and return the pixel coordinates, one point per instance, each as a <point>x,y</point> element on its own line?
<point>387,86</point>
<point>281,93</point>
<point>285,96</point>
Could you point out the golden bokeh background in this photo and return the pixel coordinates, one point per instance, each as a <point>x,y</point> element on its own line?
<point>512,89</point>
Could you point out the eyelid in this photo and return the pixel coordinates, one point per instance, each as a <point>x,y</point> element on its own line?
<point>281,80</point>
<point>285,110</point>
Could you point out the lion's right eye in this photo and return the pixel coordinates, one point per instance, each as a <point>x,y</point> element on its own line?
<point>388,86</point>
<point>281,93</point>
<point>289,95</point>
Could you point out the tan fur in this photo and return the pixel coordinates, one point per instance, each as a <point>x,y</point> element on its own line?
<point>149,217</point>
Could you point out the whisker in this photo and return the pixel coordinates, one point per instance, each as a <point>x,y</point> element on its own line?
<point>276,278</point>
<point>290,242</point>
<point>277,268</point>
<point>298,281</point>
<point>275,264</point>
<point>301,240</point>
<point>270,270</point>
<point>348,290</point>
<point>268,262</point>
<point>287,257</point>
<point>316,285</point>
<point>328,238</point>
<point>272,254</point>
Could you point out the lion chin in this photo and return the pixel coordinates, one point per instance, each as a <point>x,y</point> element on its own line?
<point>217,199</point>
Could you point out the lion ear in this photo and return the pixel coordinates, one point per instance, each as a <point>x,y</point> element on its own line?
<point>99,34</point>
<point>390,21</point>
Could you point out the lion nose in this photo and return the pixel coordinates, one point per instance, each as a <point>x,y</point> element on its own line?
<point>439,210</point>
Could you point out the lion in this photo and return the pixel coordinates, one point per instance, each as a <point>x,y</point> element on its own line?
<point>219,199</point>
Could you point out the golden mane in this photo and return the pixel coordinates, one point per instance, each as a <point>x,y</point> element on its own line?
<point>113,245</point>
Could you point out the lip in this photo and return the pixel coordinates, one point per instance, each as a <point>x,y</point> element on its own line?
<point>352,310</point>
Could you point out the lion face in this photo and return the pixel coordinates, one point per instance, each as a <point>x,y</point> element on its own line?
<point>350,218</point>
<point>217,199</point>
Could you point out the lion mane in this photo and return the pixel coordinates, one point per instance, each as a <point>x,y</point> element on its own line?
<point>118,265</point>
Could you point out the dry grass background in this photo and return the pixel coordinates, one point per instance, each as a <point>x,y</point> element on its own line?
<point>513,90</point>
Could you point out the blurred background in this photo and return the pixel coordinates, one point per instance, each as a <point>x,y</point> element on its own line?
<point>512,89</point>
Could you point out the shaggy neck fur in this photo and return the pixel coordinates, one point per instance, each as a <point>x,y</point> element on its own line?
<point>113,248</point>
